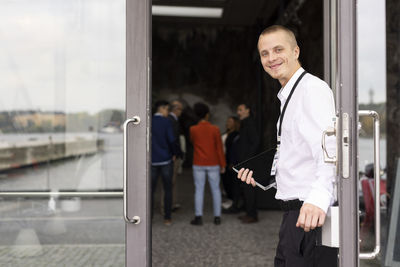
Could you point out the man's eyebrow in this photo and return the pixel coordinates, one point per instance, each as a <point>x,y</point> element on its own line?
<point>275,47</point>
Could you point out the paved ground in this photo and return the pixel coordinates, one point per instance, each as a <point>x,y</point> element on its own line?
<point>229,244</point>
<point>63,255</point>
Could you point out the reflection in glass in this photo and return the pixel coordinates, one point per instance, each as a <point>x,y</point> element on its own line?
<point>371,80</point>
<point>62,85</point>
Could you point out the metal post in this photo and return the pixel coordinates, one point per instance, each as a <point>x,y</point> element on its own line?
<point>346,92</point>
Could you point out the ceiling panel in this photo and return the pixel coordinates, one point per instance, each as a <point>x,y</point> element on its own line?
<point>236,12</point>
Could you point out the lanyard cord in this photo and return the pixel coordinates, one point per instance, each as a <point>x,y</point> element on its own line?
<point>285,106</point>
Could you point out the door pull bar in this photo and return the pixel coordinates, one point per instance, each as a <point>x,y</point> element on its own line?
<point>373,254</point>
<point>135,219</point>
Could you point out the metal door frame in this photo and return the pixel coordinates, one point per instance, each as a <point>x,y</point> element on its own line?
<point>347,133</point>
<point>137,183</point>
<point>137,188</point>
<point>340,66</point>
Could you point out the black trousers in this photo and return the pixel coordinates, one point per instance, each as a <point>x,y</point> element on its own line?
<point>227,180</point>
<point>236,192</point>
<point>166,174</point>
<point>297,248</point>
<point>250,200</point>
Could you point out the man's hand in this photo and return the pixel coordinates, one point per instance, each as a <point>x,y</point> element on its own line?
<point>310,217</point>
<point>222,170</point>
<point>246,176</point>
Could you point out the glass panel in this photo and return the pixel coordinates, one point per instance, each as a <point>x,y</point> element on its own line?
<point>62,84</point>
<point>371,79</point>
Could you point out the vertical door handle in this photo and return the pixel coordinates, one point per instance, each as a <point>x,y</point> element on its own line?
<point>345,145</point>
<point>329,132</point>
<point>373,254</point>
<point>328,159</point>
<point>135,219</point>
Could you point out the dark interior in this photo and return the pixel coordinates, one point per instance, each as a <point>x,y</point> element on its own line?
<point>215,60</point>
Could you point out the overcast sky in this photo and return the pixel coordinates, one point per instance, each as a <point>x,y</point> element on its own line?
<point>69,55</point>
<point>66,55</point>
<point>371,42</point>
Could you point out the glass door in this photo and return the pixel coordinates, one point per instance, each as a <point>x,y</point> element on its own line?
<point>67,84</point>
<point>363,170</point>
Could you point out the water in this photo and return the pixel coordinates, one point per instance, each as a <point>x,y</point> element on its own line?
<point>101,171</point>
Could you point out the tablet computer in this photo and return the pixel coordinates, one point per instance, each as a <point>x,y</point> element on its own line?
<point>261,166</point>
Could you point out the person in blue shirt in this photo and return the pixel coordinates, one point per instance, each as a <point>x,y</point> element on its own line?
<point>163,154</point>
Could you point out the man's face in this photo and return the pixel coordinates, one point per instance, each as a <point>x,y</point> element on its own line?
<point>178,109</point>
<point>230,124</point>
<point>163,110</point>
<point>278,55</point>
<point>243,112</point>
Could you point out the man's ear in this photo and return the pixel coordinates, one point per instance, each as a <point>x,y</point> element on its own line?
<point>297,51</point>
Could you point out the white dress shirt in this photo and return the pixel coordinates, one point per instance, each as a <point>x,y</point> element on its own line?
<point>301,170</point>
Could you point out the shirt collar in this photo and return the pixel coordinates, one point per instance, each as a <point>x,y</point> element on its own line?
<point>173,115</point>
<point>283,94</point>
<point>158,114</point>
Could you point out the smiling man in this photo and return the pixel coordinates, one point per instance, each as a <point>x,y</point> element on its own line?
<point>304,181</point>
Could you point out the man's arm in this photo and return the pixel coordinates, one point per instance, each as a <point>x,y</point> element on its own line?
<point>318,110</point>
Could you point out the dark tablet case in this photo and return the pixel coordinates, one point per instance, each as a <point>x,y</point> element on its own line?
<point>261,166</point>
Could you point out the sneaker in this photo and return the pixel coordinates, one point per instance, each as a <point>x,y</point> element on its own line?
<point>197,221</point>
<point>227,204</point>
<point>217,220</point>
<point>167,222</point>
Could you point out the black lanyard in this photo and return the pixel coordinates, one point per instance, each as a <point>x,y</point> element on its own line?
<point>285,106</point>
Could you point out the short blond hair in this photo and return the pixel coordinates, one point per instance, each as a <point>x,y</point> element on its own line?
<point>276,28</point>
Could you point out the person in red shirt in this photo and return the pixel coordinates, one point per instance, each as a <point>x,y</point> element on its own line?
<point>208,161</point>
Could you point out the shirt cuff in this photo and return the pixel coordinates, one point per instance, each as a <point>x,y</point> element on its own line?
<point>320,198</point>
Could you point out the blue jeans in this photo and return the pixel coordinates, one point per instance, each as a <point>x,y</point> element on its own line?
<point>166,175</point>
<point>199,175</point>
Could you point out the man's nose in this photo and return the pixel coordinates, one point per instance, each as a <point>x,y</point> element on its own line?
<point>271,57</point>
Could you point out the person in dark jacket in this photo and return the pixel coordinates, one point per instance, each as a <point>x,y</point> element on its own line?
<point>229,140</point>
<point>247,147</point>
<point>176,108</point>
<point>163,154</point>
